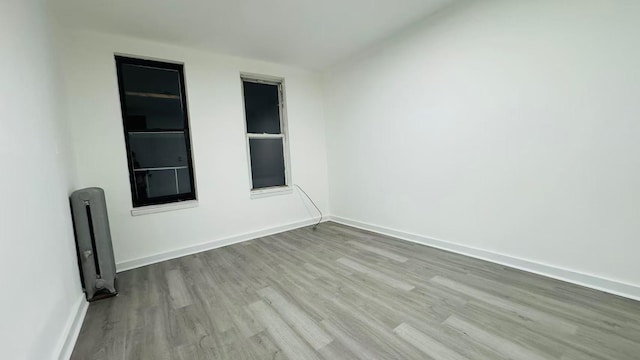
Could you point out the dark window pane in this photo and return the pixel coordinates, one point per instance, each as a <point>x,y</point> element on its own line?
<point>145,79</point>
<point>155,183</point>
<point>184,181</point>
<point>152,98</point>
<point>267,162</point>
<point>158,149</point>
<point>147,113</point>
<point>161,183</point>
<point>262,108</point>
<point>154,112</point>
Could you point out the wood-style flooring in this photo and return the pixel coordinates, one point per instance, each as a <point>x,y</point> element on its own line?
<point>343,293</point>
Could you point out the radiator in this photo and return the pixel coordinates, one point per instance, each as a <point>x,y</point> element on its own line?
<point>93,240</point>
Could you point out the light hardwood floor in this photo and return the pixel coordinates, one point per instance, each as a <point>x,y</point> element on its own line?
<point>343,293</point>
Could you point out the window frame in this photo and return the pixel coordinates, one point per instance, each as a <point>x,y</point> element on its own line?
<point>170,200</point>
<point>284,134</point>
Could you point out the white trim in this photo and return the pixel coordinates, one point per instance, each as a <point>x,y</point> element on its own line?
<point>144,57</point>
<point>72,328</point>
<point>261,78</point>
<point>265,136</point>
<point>172,254</point>
<point>572,276</point>
<point>272,191</point>
<point>284,129</point>
<point>152,209</point>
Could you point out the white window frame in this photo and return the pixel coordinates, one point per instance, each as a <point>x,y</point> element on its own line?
<point>284,131</point>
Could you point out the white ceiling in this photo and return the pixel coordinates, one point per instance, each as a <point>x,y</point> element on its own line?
<point>309,33</point>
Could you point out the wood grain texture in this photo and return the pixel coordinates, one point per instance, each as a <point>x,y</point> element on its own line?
<point>426,344</point>
<point>374,274</point>
<point>297,319</point>
<point>343,293</point>
<point>378,251</point>
<point>291,344</point>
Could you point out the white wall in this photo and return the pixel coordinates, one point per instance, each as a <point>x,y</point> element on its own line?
<point>41,290</point>
<point>508,126</point>
<point>218,139</point>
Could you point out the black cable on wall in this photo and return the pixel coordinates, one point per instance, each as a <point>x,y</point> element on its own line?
<point>314,204</point>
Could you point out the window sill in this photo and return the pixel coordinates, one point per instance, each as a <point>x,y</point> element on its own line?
<point>152,209</point>
<point>268,192</point>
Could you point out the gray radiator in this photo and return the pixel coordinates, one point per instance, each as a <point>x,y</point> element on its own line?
<point>93,238</point>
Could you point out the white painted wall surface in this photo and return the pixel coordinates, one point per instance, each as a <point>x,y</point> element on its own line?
<point>508,126</point>
<point>40,284</point>
<point>218,140</point>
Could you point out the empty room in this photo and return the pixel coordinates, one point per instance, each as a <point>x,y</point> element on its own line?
<point>286,179</point>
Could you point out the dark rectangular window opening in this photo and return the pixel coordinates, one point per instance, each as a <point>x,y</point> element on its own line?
<point>266,135</point>
<point>156,131</point>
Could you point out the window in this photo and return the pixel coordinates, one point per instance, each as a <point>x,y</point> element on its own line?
<point>266,133</point>
<point>156,131</point>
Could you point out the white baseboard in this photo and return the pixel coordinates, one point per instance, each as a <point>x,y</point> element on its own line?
<point>591,281</point>
<point>74,323</point>
<point>72,328</point>
<point>576,277</point>
<point>172,254</point>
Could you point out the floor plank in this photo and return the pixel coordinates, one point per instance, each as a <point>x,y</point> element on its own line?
<point>283,335</point>
<point>342,293</point>
<point>426,344</point>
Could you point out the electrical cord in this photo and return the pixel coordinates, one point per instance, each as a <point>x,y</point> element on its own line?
<point>314,204</point>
